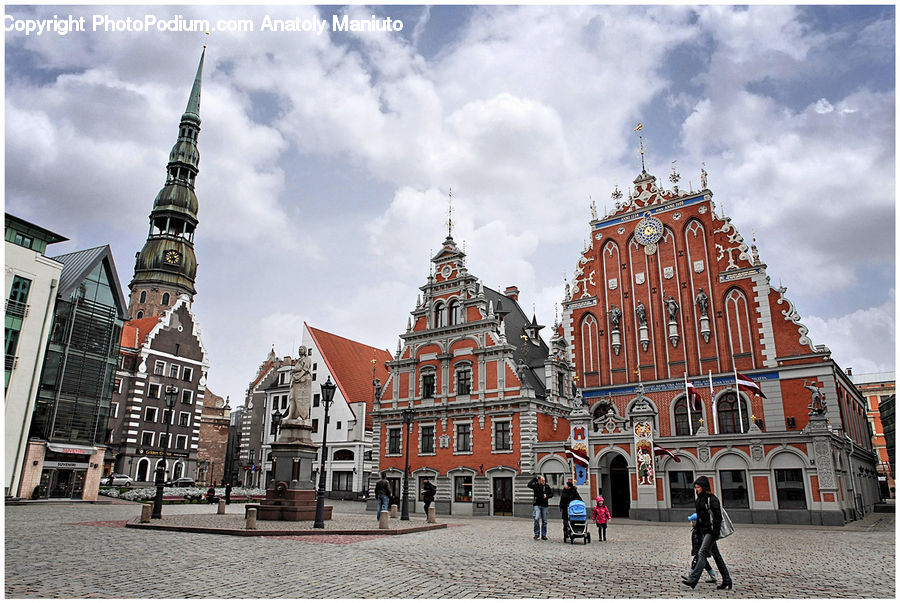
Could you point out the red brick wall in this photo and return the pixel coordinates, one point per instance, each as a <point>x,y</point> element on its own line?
<point>761,488</point>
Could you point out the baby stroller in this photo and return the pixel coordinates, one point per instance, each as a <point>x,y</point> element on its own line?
<point>576,524</point>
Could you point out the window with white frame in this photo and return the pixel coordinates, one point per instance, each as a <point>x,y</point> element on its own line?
<point>502,435</point>
<point>153,391</point>
<point>173,371</point>
<point>117,386</point>
<point>187,374</point>
<point>463,440</point>
<point>393,441</point>
<point>159,368</point>
<point>426,439</point>
<point>114,410</point>
<point>187,396</point>
<point>150,414</point>
<point>167,416</point>
<point>147,438</point>
<point>463,380</point>
<point>428,385</point>
<point>181,442</point>
<point>162,439</point>
<point>184,419</point>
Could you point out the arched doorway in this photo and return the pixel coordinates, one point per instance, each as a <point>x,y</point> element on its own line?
<point>143,469</point>
<point>619,488</point>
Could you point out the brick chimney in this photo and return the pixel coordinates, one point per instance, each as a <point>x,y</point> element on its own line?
<point>513,292</point>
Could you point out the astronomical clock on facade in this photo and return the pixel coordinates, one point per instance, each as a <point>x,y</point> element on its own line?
<point>691,363</point>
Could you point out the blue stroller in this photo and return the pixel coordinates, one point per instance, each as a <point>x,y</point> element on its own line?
<point>576,523</point>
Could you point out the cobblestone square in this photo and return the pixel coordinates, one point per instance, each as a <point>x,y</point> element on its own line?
<point>76,550</point>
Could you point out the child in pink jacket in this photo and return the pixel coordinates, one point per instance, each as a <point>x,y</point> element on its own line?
<point>601,516</point>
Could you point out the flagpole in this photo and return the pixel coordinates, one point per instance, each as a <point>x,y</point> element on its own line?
<point>688,401</point>
<point>737,392</point>
<point>712,396</point>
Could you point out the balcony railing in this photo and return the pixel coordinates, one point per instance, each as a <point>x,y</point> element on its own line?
<point>16,308</point>
<point>10,362</point>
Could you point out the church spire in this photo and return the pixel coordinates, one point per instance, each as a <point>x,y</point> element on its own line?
<point>166,267</point>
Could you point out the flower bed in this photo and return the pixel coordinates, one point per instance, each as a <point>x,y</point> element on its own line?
<point>177,495</point>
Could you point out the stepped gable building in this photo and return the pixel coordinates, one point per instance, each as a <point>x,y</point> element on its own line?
<point>668,293</point>
<point>162,345</point>
<point>489,400</point>
<point>254,438</point>
<point>355,368</point>
<point>165,268</point>
<point>212,446</point>
<point>158,353</point>
<point>31,282</point>
<point>68,433</point>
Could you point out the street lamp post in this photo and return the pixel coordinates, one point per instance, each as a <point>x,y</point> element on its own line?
<point>327,396</point>
<point>171,392</point>
<point>404,509</point>
<point>276,425</point>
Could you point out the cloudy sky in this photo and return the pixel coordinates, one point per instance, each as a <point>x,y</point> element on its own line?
<point>326,160</point>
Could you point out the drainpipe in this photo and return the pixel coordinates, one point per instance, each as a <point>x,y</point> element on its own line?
<point>32,395</point>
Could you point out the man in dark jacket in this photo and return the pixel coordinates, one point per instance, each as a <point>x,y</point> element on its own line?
<point>382,494</point>
<point>542,495</point>
<point>428,491</point>
<point>709,521</point>
<point>568,494</point>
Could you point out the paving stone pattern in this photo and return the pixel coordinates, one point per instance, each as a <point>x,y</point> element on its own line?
<point>77,550</point>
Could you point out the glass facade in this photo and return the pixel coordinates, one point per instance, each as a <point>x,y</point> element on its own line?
<point>77,378</point>
<point>789,489</point>
<point>681,488</point>
<point>734,489</point>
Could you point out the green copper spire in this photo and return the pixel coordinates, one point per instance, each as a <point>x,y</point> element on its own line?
<point>193,106</point>
<point>166,266</point>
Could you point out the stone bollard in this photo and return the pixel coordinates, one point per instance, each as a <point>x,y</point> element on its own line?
<point>432,518</point>
<point>251,519</point>
<point>221,507</point>
<point>146,512</point>
<point>383,522</point>
<point>393,511</point>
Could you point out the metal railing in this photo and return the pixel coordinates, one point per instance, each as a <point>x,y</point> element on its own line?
<point>10,362</point>
<point>16,308</point>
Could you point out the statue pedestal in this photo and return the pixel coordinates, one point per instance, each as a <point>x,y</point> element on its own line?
<point>293,497</point>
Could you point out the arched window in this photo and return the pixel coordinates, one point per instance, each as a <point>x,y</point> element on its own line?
<point>455,315</point>
<point>143,297</point>
<point>140,314</point>
<point>165,299</point>
<point>590,361</point>
<point>681,418</point>
<point>176,471</point>
<point>343,455</point>
<point>438,315</point>
<point>730,418</point>
<point>143,469</point>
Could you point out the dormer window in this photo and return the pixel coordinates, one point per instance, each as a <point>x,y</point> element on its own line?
<point>438,315</point>
<point>455,313</point>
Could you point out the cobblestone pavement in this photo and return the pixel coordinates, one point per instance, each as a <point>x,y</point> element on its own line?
<point>77,550</point>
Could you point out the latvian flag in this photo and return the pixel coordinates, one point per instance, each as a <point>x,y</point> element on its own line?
<point>660,451</point>
<point>577,455</point>
<point>747,384</point>
<point>694,395</point>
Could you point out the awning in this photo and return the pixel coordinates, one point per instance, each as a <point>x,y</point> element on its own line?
<point>71,449</point>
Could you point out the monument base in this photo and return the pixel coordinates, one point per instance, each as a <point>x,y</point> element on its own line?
<point>292,496</point>
<point>286,504</point>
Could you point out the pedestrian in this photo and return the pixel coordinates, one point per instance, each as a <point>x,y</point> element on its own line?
<point>211,495</point>
<point>428,491</point>
<point>569,493</point>
<point>542,495</point>
<point>382,494</point>
<point>227,493</point>
<point>696,539</point>
<point>601,517</point>
<point>709,522</point>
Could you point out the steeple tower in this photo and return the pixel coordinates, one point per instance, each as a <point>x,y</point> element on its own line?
<point>166,266</point>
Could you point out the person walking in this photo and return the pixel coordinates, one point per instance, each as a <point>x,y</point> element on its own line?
<point>696,540</point>
<point>601,517</point>
<point>542,495</point>
<point>709,521</point>
<point>382,494</point>
<point>428,491</point>
<point>227,493</point>
<point>568,494</point>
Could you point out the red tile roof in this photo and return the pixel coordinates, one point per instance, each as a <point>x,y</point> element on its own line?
<point>134,332</point>
<point>350,363</point>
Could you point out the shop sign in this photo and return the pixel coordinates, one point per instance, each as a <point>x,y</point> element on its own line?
<point>65,465</point>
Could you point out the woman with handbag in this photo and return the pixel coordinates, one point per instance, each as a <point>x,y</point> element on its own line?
<point>709,525</point>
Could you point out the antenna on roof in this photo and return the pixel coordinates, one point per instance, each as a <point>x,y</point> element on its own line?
<point>450,214</point>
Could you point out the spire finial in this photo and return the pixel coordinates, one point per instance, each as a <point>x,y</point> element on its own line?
<point>638,128</point>
<point>450,213</point>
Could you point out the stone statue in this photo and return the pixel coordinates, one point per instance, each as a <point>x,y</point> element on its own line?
<point>672,307</point>
<point>614,315</point>
<point>817,406</point>
<point>702,302</point>
<point>298,397</point>
<point>641,312</point>
<point>378,390</point>
<point>702,179</point>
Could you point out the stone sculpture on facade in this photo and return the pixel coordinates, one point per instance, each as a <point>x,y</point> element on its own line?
<point>641,312</point>
<point>817,406</point>
<point>614,316</point>
<point>672,308</point>
<point>298,397</point>
<point>702,302</point>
